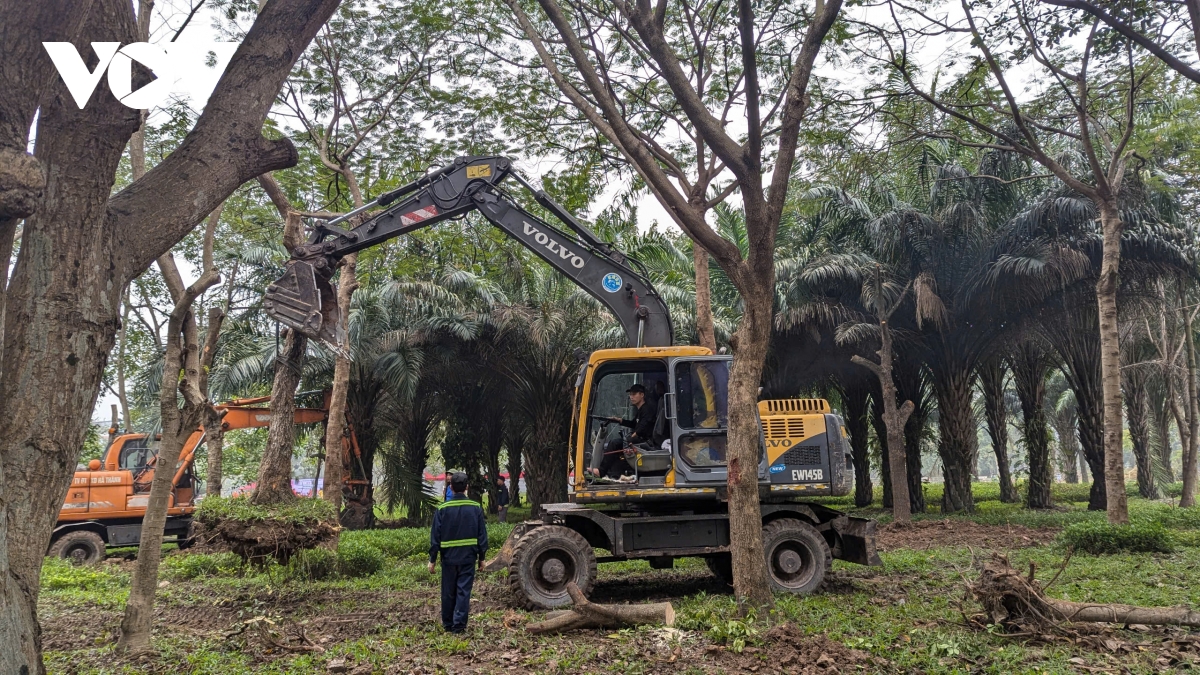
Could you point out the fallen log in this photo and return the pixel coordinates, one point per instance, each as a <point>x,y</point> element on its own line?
<point>1010,598</point>
<point>588,614</point>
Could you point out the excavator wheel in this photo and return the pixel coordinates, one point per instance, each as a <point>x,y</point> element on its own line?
<point>721,565</point>
<point>797,556</point>
<point>80,547</point>
<point>544,561</point>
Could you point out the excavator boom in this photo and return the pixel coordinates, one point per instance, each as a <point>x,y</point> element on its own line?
<point>304,299</point>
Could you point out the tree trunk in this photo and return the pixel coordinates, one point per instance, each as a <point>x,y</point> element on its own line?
<point>880,427</point>
<point>214,443</point>
<point>1110,365</point>
<point>336,425</point>
<point>855,398</point>
<point>1161,414</point>
<point>182,374</point>
<point>545,469</point>
<point>1192,449</point>
<point>83,245</point>
<point>991,383</point>
<point>912,386</point>
<point>1030,368</point>
<point>1137,408</point>
<point>62,301</point>
<point>178,425</point>
<point>745,516</point>
<point>514,469</point>
<point>956,423</point>
<point>275,471</point>
<point>1064,423</point>
<point>894,420</point>
<point>704,317</point>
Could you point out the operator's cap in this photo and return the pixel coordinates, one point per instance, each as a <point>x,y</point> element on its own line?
<point>636,389</point>
<point>458,478</point>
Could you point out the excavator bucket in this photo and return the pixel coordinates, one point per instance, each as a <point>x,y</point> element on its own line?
<point>303,299</point>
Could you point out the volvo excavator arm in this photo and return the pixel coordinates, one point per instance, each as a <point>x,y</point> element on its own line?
<point>304,300</point>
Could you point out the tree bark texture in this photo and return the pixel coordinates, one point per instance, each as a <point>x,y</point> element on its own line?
<point>704,317</point>
<point>336,426</point>
<point>214,444</point>
<point>1030,368</point>
<point>81,247</point>
<point>1192,449</point>
<point>991,384</point>
<point>1137,410</point>
<point>275,470</point>
<point>855,399</point>
<point>1110,365</point>
<point>956,423</point>
<point>745,515</point>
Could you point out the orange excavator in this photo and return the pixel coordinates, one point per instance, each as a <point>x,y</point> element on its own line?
<point>107,501</point>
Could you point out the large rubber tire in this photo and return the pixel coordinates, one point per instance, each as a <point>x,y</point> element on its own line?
<point>721,565</point>
<point>797,556</point>
<point>544,561</point>
<point>80,547</point>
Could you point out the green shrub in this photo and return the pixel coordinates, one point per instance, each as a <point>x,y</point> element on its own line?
<point>198,565</point>
<point>356,559</point>
<point>313,564</point>
<point>1101,538</point>
<point>397,543</point>
<point>61,575</point>
<point>214,509</point>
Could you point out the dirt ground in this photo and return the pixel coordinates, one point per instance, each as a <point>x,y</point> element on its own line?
<point>926,534</point>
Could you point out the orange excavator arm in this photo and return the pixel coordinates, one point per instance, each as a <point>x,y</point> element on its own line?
<point>244,414</point>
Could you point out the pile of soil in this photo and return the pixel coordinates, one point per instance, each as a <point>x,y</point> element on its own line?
<point>260,540</point>
<point>926,534</point>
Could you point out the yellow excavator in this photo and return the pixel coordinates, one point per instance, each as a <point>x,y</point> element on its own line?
<point>673,502</point>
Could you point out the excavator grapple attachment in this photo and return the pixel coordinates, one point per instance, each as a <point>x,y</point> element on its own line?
<point>303,300</point>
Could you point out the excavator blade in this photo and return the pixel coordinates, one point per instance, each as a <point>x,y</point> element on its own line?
<point>303,299</point>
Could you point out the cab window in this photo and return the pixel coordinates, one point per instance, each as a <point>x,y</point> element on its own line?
<point>703,394</point>
<point>136,453</point>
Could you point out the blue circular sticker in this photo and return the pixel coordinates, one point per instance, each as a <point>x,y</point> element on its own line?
<point>612,282</point>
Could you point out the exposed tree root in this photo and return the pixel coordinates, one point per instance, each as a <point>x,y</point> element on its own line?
<point>1014,600</point>
<point>587,614</point>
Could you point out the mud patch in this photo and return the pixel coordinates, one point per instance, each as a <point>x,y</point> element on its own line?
<point>926,534</point>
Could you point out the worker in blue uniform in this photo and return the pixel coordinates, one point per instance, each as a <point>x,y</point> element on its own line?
<point>460,535</point>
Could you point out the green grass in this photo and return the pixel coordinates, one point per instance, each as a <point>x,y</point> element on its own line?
<point>298,511</point>
<point>907,611</point>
